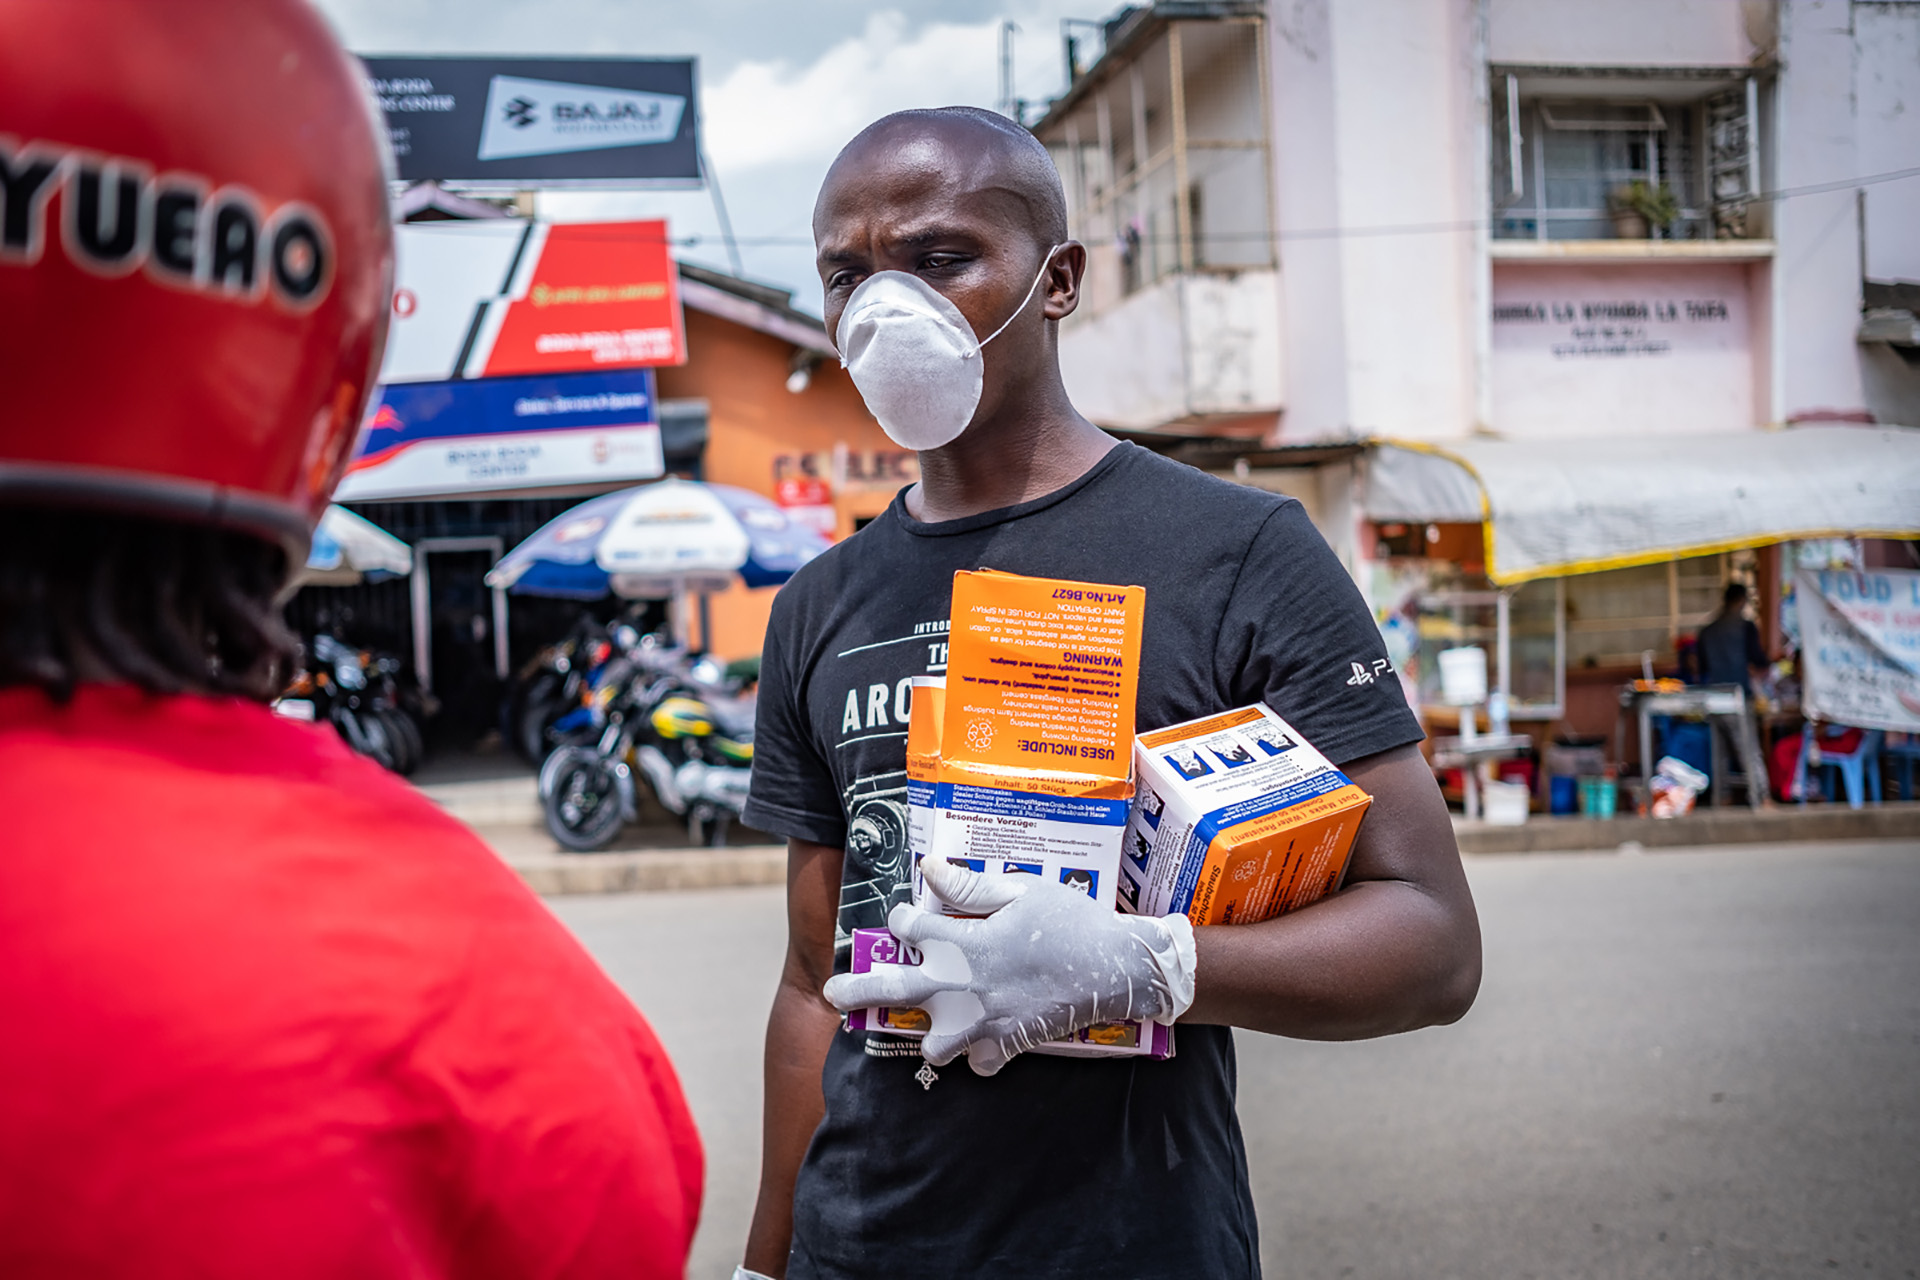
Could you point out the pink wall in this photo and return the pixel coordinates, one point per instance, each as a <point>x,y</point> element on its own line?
<point>1621,349</point>
<point>1639,33</point>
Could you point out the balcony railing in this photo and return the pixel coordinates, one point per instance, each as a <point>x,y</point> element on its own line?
<point>1163,149</point>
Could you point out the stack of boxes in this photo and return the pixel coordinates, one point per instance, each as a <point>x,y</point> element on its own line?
<point>1238,819</point>
<point>1023,761</point>
<point>1019,763</point>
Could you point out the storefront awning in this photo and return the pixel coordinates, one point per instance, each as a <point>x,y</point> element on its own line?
<point>1555,507</point>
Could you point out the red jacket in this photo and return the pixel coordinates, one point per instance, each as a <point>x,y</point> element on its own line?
<point>265,1011</point>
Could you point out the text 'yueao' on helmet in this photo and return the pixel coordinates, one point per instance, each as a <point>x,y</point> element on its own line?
<point>196,259</point>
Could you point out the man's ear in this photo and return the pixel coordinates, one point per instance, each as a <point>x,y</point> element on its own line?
<point>1065,269</point>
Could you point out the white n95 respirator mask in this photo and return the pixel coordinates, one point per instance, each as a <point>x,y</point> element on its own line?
<point>915,358</point>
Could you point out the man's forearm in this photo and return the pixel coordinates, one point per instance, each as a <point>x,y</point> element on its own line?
<point>799,1030</point>
<point>1397,949</point>
<point>1378,958</point>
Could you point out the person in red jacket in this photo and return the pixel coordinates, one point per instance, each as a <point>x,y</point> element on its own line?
<point>264,1011</point>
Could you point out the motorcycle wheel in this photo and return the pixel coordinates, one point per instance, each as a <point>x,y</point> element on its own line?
<point>535,706</point>
<point>366,734</point>
<point>405,736</point>
<point>381,745</point>
<point>582,808</point>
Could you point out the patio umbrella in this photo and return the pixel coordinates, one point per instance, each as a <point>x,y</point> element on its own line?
<point>659,541</point>
<point>348,549</point>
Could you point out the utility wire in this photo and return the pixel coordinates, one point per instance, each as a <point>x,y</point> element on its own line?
<point>1302,233</point>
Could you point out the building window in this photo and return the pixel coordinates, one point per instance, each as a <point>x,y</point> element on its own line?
<point>1162,145</point>
<point>1573,163</point>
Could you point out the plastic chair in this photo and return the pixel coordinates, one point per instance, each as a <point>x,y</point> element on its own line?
<point>1905,753</point>
<point>1859,768</point>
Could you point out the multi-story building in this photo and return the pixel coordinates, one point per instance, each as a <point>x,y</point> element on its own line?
<point>1549,310</point>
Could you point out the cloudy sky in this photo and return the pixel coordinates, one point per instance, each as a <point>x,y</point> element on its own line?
<point>783,85</point>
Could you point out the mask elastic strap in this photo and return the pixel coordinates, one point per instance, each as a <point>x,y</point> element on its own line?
<point>1044,264</point>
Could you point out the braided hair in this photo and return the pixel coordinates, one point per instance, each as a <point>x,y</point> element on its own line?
<point>166,606</point>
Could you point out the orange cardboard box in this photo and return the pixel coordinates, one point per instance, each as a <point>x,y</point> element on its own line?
<point>1020,762</point>
<point>1237,820</point>
<point>1042,677</point>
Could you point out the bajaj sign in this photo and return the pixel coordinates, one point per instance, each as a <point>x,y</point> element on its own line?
<point>544,118</point>
<point>540,122</point>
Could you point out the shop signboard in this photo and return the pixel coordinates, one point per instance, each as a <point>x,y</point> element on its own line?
<point>1860,647</point>
<point>805,484</point>
<point>1621,350</point>
<point>808,502</point>
<point>512,123</point>
<point>435,439</point>
<point>498,299</point>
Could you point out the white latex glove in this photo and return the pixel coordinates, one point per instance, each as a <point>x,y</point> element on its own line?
<point>741,1273</point>
<point>1046,961</point>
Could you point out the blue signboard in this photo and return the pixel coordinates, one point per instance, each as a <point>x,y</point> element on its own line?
<point>483,435</point>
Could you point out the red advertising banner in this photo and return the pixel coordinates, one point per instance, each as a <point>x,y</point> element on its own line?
<point>502,298</point>
<point>600,296</point>
<point>802,492</point>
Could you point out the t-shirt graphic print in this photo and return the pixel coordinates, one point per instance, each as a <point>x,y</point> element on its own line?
<point>873,728</point>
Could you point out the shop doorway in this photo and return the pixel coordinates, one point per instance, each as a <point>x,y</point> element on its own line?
<point>460,633</point>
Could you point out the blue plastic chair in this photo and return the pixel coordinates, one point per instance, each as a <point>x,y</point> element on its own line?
<point>1859,768</point>
<point>1905,753</point>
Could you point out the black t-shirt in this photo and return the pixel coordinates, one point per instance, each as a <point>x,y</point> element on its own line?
<point>1056,1167</point>
<point>1729,647</point>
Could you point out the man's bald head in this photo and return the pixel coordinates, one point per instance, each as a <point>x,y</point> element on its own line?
<point>986,150</point>
<point>969,204</point>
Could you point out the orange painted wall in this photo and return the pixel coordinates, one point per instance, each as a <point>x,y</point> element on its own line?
<point>758,431</point>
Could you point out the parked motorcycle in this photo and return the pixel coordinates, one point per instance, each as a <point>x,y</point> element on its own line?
<point>360,694</point>
<point>550,686</point>
<point>656,714</point>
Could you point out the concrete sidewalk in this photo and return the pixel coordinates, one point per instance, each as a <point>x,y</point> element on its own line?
<point>1775,824</point>
<point>643,859</point>
<point>505,812</point>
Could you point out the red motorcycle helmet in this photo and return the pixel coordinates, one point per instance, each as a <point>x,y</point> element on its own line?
<point>196,259</point>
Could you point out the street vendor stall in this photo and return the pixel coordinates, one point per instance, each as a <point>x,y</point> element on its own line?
<point>1725,709</point>
<point>1569,558</point>
<point>1549,508</point>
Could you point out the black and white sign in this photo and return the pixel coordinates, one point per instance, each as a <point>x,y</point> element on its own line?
<point>1608,328</point>
<point>540,122</point>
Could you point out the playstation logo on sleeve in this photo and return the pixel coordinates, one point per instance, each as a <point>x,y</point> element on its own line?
<point>547,117</point>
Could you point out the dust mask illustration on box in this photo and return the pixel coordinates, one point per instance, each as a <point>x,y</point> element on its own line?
<point>915,358</point>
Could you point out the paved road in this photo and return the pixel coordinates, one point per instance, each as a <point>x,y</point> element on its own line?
<point>1690,1063</point>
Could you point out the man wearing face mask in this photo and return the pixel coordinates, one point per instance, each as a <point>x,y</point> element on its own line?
<point>944,252</point>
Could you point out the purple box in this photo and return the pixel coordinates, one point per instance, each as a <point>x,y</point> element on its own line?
<point>1126,1039</point>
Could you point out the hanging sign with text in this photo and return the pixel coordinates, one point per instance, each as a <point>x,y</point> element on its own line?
<point>1860,647</point>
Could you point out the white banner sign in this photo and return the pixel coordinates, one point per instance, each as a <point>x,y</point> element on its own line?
<point>535,459</point>
<point>1860,647</point>
<point>545,117</point>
